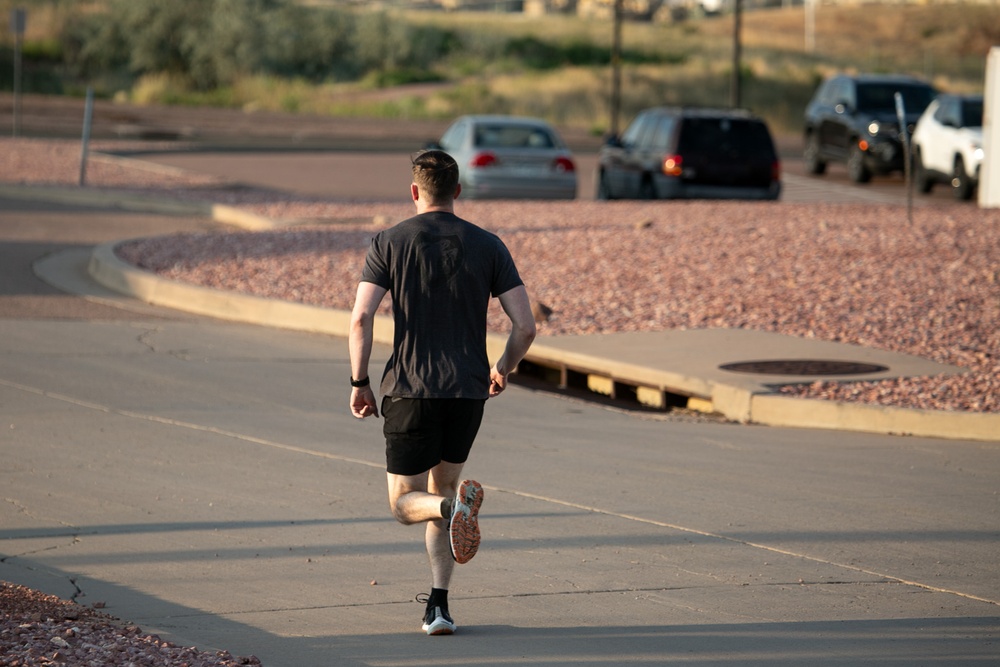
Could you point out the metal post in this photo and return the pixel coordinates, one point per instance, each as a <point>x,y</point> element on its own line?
<point>904,137</point>
<point>17,24</point>
<point>88,113</point>
<point>989,177</point>
<point>616,68</point>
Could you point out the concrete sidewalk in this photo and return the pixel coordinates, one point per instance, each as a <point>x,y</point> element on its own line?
<point>656,369</point>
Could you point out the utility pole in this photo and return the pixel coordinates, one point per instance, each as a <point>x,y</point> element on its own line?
<point>616,68</point>
<point>735,88</point>
<point>810,7</point>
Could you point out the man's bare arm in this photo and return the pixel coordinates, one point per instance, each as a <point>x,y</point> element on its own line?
<point>360,339</point>
<point>516,304</point>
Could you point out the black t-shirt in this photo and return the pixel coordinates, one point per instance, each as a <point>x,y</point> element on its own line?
<point>441,272</point>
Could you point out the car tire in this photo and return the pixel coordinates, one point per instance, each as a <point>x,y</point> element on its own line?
<point>857,170</point>
<point>814,164</point>
<point>961,184</point>
<point>603,192</point>
<point>646,190</point>
<point>924,183</point>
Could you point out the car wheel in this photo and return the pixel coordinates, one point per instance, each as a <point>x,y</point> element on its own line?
<point>814,165</point>
<point>921,178</point>
<point>603,192</point>
<point>857,170</point>
<point>961,184</point>
<point>646,190</point>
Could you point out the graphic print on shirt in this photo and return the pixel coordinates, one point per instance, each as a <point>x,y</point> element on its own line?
<point>439,259</point>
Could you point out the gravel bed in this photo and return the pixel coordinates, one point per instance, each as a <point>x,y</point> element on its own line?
<point>858,274</point>
<point>851,273</point>
<point>38,629</point>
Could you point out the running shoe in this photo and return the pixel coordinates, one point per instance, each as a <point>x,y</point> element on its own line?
<point>464,526</point>
<point>437,621</point>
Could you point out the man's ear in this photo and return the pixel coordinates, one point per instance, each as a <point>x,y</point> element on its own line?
<point>458,190</point>
<point>414,192</point>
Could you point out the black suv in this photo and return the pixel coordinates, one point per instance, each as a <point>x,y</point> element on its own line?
<point>676,153</point>
<point>853,119</point>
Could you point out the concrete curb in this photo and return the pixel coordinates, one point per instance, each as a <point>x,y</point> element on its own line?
<point>144,203</point>
<point>122,199</point>
<point>778,410</point>
<point>114,273</point>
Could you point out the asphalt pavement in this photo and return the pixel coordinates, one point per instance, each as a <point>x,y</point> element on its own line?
<point>375,174</point>
<point>205,480</point>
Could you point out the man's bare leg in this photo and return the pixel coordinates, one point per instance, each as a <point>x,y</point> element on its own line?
<point>417,499</point>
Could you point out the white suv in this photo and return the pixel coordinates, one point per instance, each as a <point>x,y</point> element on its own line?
<point>948,144</point>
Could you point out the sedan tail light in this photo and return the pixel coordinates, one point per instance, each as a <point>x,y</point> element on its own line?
<point>672,165</point>
<point>563,164</point>
<point>484,159</point>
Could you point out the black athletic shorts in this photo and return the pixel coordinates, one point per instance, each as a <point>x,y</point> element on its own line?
<point>422,432</point>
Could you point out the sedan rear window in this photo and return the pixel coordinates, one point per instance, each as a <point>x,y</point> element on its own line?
<point>513,136</point>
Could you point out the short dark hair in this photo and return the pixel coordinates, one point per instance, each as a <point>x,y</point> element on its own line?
<point>436,174</point>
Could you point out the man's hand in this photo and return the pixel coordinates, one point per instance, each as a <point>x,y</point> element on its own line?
<point>498,381</point>
<point>363,402</point>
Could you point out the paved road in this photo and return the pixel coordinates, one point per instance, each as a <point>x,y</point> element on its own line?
<point>205,480</point>
<point>380,175</point>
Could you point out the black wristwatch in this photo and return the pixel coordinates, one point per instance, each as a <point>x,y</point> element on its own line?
<point>364,382</point>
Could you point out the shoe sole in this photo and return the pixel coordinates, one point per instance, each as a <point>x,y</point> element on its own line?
<point>464,527</point>
<point>439,626</point>
<point>438,631</point>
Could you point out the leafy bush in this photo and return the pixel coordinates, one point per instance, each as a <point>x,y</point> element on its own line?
<point>536,53</point>
<point>211,43</point>
<point>42,51</point>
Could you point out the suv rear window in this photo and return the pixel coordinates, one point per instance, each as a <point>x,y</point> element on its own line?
<point>728,137</point>
<point>882,96</point>
<point>972,113</point>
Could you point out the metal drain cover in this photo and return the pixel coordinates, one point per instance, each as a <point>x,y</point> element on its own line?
<point>803,367</point>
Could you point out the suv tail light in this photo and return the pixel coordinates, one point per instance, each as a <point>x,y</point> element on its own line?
<point>672,165</point>
<point>563,164</point>
<point>484,159</point>
<point>776,171</point>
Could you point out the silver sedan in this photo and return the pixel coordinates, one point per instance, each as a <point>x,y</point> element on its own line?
<point>510,157</point>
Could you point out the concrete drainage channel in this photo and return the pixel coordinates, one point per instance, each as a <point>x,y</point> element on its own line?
<point>581,383</point>
<point>586,383</point>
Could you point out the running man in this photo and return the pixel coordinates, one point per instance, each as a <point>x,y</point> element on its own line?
<point>441,272</point>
